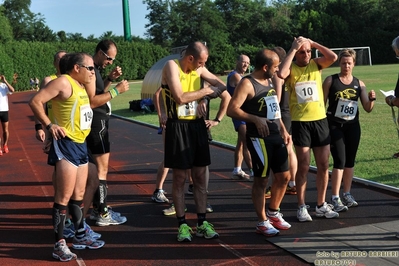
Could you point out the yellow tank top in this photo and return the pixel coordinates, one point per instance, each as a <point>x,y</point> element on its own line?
<point>74,114</point>
<point>189,82</point>
<point>306,98</point>
<point>49,103</point>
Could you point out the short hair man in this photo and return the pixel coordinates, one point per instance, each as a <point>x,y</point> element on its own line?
<point>186,135</point>
<point>309,122</point>
<point>255,102</point>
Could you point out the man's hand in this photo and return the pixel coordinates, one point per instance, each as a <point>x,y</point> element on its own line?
<point>40,135</point>
<point>115,73</point>
<point>261,125</point>
<point>122,86</point>
<point>201,108</point>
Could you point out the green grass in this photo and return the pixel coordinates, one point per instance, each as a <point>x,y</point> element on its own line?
<point>379,139</point>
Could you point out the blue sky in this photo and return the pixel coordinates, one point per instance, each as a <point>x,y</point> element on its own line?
<point>91,16</point>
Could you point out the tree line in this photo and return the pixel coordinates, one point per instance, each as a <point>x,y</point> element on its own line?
<point>229,28</point>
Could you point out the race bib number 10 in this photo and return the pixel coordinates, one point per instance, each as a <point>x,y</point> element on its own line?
<point>273,108</point>
<point>307,92</point>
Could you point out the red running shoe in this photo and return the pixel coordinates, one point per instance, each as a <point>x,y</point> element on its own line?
<point>6,149</point>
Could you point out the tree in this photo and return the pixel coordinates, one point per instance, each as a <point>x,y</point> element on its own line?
<point>159,18</point>
<point>6,30</point>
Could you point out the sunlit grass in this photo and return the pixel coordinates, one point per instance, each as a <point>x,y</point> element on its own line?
<point>379,139</point>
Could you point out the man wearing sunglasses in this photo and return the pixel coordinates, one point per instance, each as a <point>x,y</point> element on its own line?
<point>98,139</point>
<point>68,152</point>
<point>309,123</point>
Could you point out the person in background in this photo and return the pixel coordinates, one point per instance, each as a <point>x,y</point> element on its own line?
<point>5,89</point>
<point>309,123</point>
<point>255,102</point>
<point>393,99</point>
<point>241,151</point>
<point>68,152</point>
<point>98,139</point>
<point>343,91</point>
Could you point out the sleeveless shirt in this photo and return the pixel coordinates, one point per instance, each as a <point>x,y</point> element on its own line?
<point>257,106</point>
<point>190,82</point>
<point>306,93</point>
<point>339,91</point>
<point>74,114</point>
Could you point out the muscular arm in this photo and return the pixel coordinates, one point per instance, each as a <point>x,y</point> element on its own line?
<point>170,76</point>
<point>328,58</point>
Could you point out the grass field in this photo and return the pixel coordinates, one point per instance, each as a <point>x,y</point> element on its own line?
<point>379,136</point>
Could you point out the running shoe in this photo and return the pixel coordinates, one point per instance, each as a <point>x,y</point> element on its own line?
<point>209,208</point>
<point>303,215</point>
<point>349,200</point>
<point>87,242</point>
<point>268,193</point>
<point>184,234</point>
<point>61,251</point>
<point>241,175</point>
<point>278,221</point>
<point>69,230</point>
<point>206,230</point>
<point>190,190</point>
<point>109,219</point>
<point>290,190</point>
<point>90,231</point>
<point>159,197</point>
<point>171,210</point>
<point>327,210</point>
<point>6,149</point>
<point>95,215</point>
<point>338,205</point>
<point>266,229</point>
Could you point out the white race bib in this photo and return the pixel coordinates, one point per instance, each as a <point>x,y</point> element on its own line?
<point>273,108</point>
<point>188,109</point>
<point>86,117</point>
<point>307,92</point>
<point>346,109</point>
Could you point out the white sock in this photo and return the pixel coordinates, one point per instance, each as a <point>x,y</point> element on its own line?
<point>237,169</point>
<point>291,183</point>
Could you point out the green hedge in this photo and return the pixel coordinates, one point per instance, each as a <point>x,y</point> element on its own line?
<point>35,59</point>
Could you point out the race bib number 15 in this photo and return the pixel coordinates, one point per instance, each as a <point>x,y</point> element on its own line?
<point>273,108</point>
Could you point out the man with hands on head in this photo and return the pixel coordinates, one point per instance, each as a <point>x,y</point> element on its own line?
<point>5,89</point>
<point>309,123</point>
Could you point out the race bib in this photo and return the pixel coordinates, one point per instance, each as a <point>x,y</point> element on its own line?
<point>307,92</point>
<point>346,109</point>
<point>86,117</point>
<point>188,109</point>
<point>273,108</point>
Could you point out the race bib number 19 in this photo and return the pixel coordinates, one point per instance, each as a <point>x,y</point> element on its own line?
<point>307,92</point>
<point>273,108</point>
<point>86,117</point>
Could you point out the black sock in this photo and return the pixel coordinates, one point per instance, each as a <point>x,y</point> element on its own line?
<point>59,215</point>
<point>181,220</point>
<point>76,211</point>
<point>102,197</point>
<point>157,190</point>
<point>201,218</point>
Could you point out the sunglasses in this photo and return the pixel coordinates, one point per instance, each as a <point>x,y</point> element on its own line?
<point>304,52</point>
<point>90,68</point>
<point>108,57</point>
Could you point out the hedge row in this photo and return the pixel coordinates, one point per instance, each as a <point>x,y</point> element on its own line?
<point>21,61</point>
